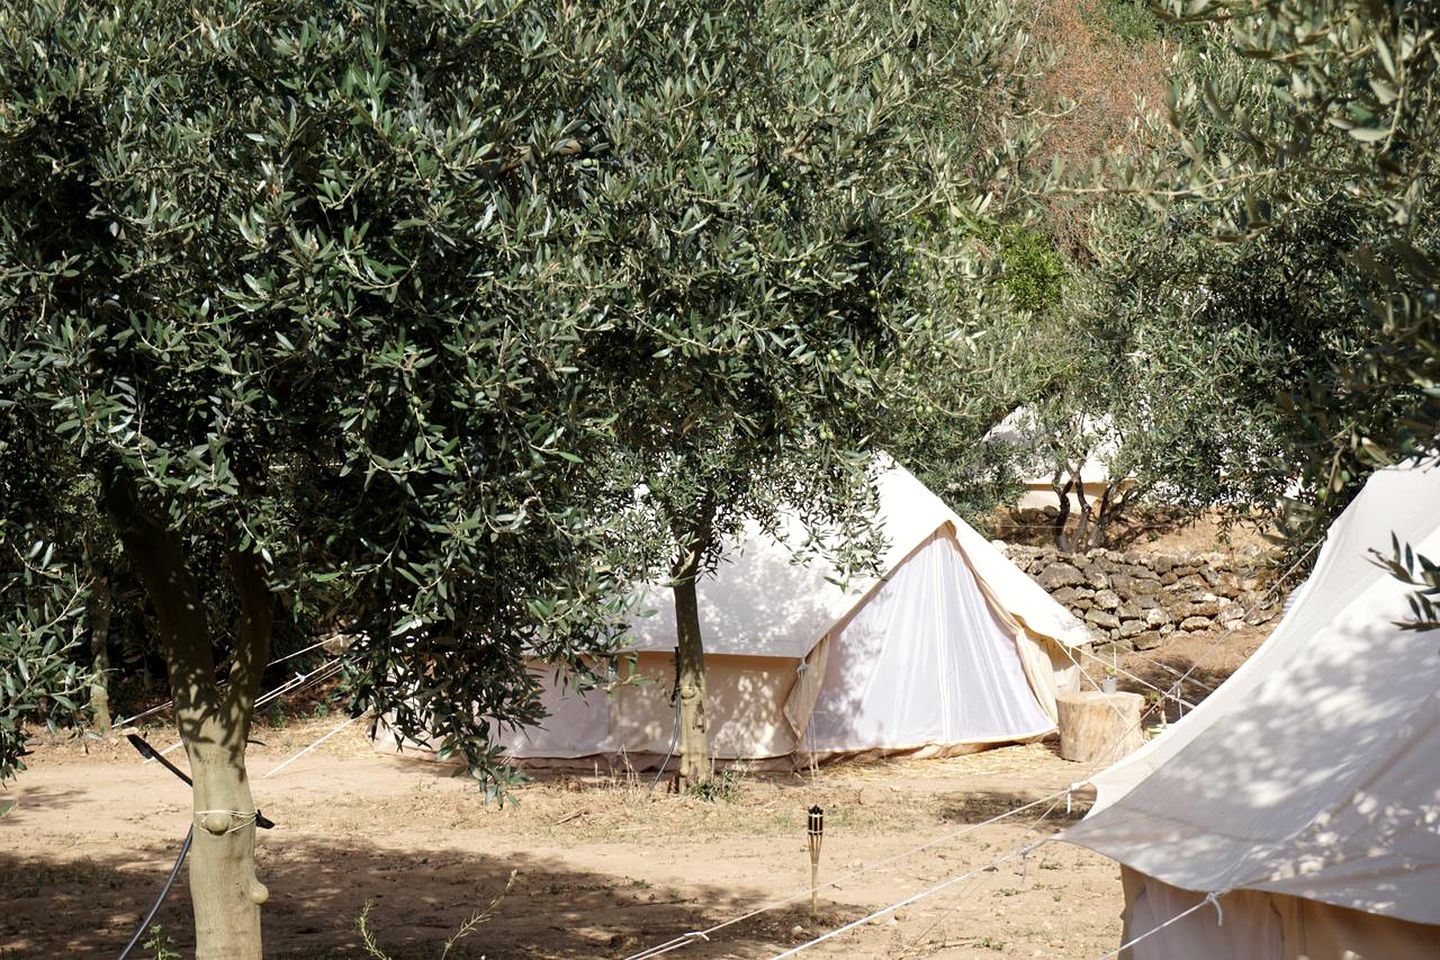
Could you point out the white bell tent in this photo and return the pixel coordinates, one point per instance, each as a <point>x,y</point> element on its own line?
<point>953,648</point>
<point>1304,794</point>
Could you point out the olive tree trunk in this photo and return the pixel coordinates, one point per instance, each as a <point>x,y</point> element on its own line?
<point>1082,516</point>
<point>1108,509</point>
<point>99,624</point>
<point>694,738</point>
<point>1062,502</point>
<point>213,721</point>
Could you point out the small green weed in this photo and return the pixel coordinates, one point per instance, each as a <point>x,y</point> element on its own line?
<point>1035,271</point>
<point>723,786</point>
<point>162,945</point>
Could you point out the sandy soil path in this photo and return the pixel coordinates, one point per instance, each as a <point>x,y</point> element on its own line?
<point>605,867</point>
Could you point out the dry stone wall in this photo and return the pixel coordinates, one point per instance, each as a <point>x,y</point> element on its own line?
<point>1133,601</point>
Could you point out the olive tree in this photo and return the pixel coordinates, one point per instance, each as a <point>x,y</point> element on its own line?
<point>1357,131</point>
<point>304,294</point>
<point>1186,350</point>
<point>791,196</point>
<point>1253,312</point>
<point>1302,163</point>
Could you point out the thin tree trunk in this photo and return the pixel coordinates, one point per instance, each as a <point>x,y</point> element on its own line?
<point>213,723</point>
<point>99,617</point>
<point>694,725</point>
<point>1062,496</point>
<point>1108,507</point>
<point>692,533</point>
<point>1082,516</point>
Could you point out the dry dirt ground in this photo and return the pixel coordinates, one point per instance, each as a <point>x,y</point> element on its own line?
<point>605,867</point>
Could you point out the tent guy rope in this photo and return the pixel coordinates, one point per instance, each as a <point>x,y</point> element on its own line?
<point>1259,602</point>
<point>688,937</point>
<point>1095,764</point>
<point>170,703</point>
<point>285,763</point>
<point>1139,655</point>
<point>913,898</point>
<point>1169,692</point>
<point>1023,850</point>
<point>1214,644</point>
<point>294,684</point>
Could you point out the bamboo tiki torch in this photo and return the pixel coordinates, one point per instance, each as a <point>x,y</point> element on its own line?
<point>816,834</point>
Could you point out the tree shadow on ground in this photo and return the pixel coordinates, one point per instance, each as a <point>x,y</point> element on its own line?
<point>47,797</point>
<point>54,906</point>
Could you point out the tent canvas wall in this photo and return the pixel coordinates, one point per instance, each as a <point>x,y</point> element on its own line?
<point>1016,431</point>
<point>952,648</point>
<point>1305,792</point>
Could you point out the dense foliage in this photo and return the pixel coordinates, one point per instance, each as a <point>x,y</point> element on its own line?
<point>1307,141</point>
<point>1250,314</point>
<point>785,238</point>
<point>789,229</point>
<point>271,279</point>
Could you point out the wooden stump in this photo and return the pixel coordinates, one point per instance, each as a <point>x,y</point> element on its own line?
<point>1091,722</point>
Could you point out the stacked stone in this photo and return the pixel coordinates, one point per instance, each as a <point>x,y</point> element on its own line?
<point>1133,601</point>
